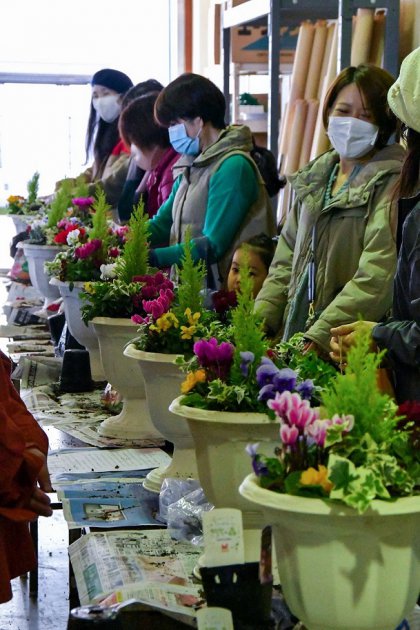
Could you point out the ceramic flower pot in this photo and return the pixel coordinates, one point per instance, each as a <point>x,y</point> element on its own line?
<point>36,256</point>
<point>20,222</point>
<point>134,421</point>
<point>163,381</point>
<point>84,334</point>
<point>220,439</point>
<point>367,567</point>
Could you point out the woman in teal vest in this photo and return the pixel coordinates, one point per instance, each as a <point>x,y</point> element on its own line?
<point>218,192</point>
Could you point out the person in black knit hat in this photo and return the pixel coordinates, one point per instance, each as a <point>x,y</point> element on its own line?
<point>110,156</point>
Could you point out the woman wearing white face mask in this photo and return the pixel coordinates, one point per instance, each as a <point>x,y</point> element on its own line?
<point>399,335</point>
<point>336,255</point>
<point>150,149</point>
<point>109,169</point>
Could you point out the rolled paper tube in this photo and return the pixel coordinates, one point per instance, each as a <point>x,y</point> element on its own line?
<point>362,37</point>
<point>407,22</point>
<point>296,136</point>
<point>308,134</point>
<point>321,141</point>
<point>378,39</point>
<point>298,81</point>
<point>331,29</point>
<point>302,60</point>
<point>317,56</point>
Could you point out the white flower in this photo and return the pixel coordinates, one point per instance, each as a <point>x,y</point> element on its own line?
<point>108,271</point>
<point>73,237</point>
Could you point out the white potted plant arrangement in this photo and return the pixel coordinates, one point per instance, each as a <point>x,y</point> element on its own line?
<point>108,305</point>
<point>172,322</point>
<point>342,494</point>
<point>45,241</point>
<point>227,383</point>
<point>22,209</point>
<point>80,261</point>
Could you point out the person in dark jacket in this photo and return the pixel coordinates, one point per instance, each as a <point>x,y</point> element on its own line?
<point>130,193</point>
<point>400,334</point>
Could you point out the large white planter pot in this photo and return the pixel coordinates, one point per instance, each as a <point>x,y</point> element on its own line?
<point>342,570</point>
<point>220,439</point>
<point>36,256</point>
<point>134,421</point>
<point>163,382</point>
<point>83,333</point>
<point>20,222</point>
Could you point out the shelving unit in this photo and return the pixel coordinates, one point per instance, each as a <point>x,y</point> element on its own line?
<point>274,13</point>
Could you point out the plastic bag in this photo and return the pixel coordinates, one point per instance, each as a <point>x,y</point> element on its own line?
<point>181,503</point>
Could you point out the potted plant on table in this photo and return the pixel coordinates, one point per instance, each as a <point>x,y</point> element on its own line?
<point>342,493</point>
<point>107,306</point>
<point>224,401</point>
<point>172,321</point>
<point>22,209</point>
<point>87,249</point>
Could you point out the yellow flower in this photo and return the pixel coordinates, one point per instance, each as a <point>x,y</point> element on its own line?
<point>188,332</point>
<point>16,199</point>
<point>165,322</point>
<point>89,288</point>
<point>314,477</point>
<point>199,376</point>
<point>192,319</point>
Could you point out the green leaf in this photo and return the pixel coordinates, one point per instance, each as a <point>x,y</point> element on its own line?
<point>135,256</point>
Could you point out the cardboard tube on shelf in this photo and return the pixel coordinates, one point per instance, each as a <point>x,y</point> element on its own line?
<point>362,37</point>
<point>308,134</point>
<point>378,39</point>
<point>298,81</point>
<point>331,29</point>
<point>315,64</point>
<point>321,142</point>
<point>296,136</point>
<point>407,21</point>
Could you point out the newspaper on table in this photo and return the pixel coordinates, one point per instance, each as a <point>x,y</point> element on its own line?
<point>84,460</point>
<point>36,371</point>
<point>80,415</point>
<point>122,503</point>
<point>106,562</point>
<point>24,332</point>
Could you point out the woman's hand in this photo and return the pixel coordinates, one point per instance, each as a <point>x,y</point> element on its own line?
<point>43,475</point>
<point>39,503</point>
<point>343,338</point>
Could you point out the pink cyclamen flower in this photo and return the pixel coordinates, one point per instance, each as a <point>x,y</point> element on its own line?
<point>318,431</point>
<point>209,352</point>
<point>160,305</point>
<point>89,248</point>
<point>83,202</point>
<point>289,435</point>
<point>282,403</point>
<point>301,417</point>
<point>346,420</point>
<point>138,319</point>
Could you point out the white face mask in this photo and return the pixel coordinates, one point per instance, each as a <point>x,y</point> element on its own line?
<point>351,137</point>
<point>147,160</point>
<point>107,107</point>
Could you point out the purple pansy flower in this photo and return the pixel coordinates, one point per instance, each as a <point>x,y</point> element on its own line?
<point>305,389</point>
<point>246,359</point>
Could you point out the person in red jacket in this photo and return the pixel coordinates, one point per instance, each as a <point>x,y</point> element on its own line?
<point>24,481</point>
<point>150,149</point>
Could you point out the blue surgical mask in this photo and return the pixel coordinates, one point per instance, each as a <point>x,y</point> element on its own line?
<point>181,141</point>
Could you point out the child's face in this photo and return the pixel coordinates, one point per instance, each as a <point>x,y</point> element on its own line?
<point>257,270</point>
